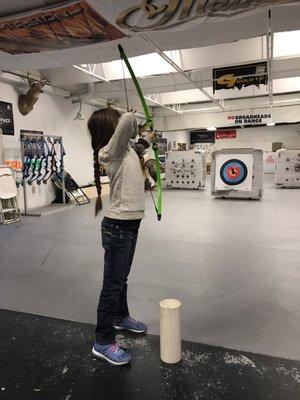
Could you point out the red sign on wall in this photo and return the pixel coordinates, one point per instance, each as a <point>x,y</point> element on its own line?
<point>228,134</point>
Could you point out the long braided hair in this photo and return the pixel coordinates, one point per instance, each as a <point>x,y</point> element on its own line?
<point>102,125</point>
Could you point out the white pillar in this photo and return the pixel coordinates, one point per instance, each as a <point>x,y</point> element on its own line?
<point>170,335</point>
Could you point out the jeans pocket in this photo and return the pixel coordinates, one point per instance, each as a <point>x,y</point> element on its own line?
<point>106,231</point>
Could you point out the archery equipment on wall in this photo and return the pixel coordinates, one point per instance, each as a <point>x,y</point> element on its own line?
<point>9,209</point>
<point>237,173</point>
<point>28,100</point>
<point>42,158</point>
<point>186,169</point>
<point>149,124</point>
<point>287,172</point>
<point>73,191</point>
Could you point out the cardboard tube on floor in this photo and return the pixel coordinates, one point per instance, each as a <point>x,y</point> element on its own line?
<point>170,335</point>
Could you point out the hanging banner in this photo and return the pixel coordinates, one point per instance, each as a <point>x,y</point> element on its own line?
<point>226,134</point>
<point>202,136</point>
<point>251,119</point>
<point>152,15</point>
<point>6,118</point>
<point>240,76</point>
<point>65,26</point>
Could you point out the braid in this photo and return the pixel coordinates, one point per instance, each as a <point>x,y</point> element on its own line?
<point>98,206</point>
<point>101,125</point>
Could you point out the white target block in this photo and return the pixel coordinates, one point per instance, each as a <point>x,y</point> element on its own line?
<point>237,173</point>
<point>287,173</point>
<point>170,331</point>
<point>185,169</point>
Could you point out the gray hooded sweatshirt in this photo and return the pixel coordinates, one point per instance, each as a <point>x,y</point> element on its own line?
<point>122,164</point>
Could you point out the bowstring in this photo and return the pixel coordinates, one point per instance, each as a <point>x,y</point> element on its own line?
<point>153,199</point>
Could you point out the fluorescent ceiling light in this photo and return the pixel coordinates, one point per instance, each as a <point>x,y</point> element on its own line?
<point>286,44</point>
<point>285,101</point>
<point>143,66</point>
<point>270,123</point>
<point>212,128</point>
<point>200,109</point>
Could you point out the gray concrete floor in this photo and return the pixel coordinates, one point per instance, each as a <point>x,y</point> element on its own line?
<point>234,264</point>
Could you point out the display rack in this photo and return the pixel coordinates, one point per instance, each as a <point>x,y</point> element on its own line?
<point>59,140</point>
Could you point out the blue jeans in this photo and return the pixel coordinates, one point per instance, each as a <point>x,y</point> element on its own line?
<point>119,241</point>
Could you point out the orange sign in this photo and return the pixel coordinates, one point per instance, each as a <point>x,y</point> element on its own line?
<point>16,165</point>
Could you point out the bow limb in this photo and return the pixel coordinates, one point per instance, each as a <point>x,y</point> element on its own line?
<point>149,123</point>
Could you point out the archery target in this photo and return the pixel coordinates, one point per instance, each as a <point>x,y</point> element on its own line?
<point>234,172</point>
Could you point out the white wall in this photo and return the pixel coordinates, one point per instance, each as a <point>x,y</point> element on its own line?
<point>178,136</point>
<point>165,120</point>
<point>260,138</point>
<point>263,137</point>
<point>53,115</point>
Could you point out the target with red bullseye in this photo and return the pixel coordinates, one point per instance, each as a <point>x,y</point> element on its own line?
<point>233,172</point>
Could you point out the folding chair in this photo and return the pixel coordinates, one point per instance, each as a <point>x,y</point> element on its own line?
<point>9,209</point>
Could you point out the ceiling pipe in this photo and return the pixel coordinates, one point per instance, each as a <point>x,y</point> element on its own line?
<point>94,103</point>
<point>32,77</point>
<point>103,103</point>
<point>270,50</point>
<point>87,94</point>
<point>87,98</point>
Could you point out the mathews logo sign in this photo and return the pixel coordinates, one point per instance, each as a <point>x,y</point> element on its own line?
<point>177,12</point>
<point>240,76</point>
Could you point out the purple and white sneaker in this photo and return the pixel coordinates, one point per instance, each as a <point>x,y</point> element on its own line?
<point>130,324</point>
<point>111,353</point>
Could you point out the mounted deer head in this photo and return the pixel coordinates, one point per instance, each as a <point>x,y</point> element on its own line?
<point>28,100</point>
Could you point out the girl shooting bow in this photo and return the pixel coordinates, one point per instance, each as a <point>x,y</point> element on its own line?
<point>111,142</point>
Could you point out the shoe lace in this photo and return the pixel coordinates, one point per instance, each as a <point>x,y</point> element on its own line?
<point>134,320</point>
<point>116,349</point>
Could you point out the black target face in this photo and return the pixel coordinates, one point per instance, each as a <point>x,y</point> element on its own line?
<point>233,172</point>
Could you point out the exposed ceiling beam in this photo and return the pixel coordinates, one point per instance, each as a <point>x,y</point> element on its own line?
<point>181,71</point>
<point>156,99</point>
<point>92,70</point>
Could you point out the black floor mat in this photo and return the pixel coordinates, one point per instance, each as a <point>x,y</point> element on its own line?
<point>50,359</point>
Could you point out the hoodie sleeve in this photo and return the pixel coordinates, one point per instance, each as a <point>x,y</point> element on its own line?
<point>116,148</point>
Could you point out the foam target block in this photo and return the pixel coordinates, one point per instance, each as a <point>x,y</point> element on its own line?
<point>287,171</point>
<point>237,173</point>
<point>186,169</point>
